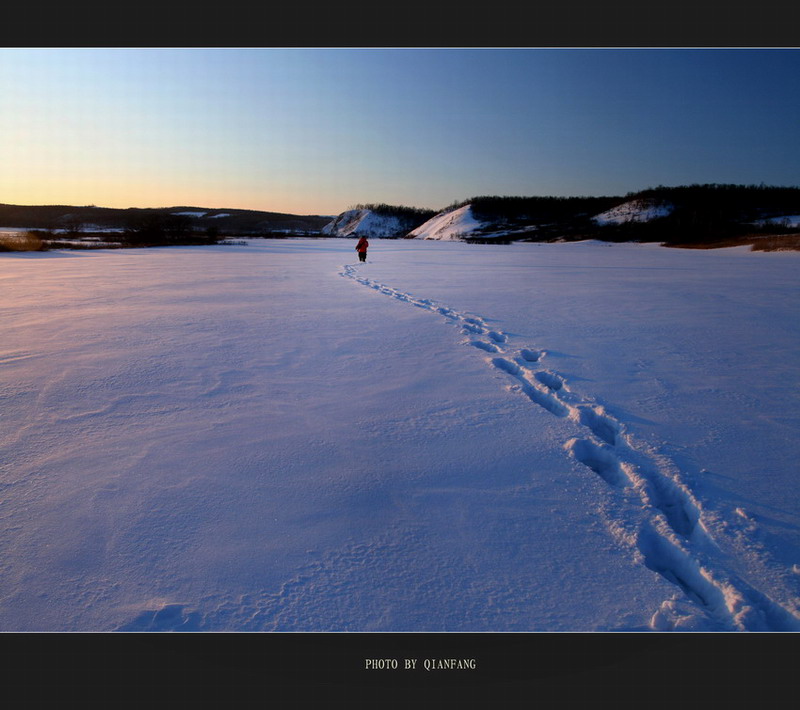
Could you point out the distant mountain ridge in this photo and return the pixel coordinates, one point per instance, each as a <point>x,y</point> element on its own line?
<point>682,214</point>
<point>92,218</point>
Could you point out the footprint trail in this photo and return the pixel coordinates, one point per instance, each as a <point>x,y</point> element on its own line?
<point>653,512</point>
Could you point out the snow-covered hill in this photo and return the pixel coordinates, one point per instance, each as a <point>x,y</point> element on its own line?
<point>642,210</point>
<point>449,225</point>
<point>789,220</point>
<point>366,223</point>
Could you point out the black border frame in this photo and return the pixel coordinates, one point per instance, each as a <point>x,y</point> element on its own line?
<point>542,669</point>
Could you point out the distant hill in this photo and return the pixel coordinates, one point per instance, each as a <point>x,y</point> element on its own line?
<point>376,220</point>
<point>91,218</point>
<point>685,214</point>
<point>673,215</point>
<point>499,218</point>
<point>701,213</point>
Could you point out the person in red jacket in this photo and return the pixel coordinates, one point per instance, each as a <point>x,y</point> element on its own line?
<point>361,248</point>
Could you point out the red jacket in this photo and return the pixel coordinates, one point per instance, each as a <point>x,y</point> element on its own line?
<point>362,244</point>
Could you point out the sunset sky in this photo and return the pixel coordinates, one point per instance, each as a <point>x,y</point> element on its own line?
<point>314,131</point>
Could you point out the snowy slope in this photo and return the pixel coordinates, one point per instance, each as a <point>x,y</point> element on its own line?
<point>364,223</point>
<point>450,437</point>
<point>634,211</point>
<point>448,225</point>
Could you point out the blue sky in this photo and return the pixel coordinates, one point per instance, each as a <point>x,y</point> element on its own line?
<point>314,131</point>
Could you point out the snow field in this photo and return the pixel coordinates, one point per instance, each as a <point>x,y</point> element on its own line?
<point>672,513</point>
<point>450,438</point>
<point>673,539</point>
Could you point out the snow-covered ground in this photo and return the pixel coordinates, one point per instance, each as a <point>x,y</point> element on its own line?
<point>450,437</point>
<point>449,225</point>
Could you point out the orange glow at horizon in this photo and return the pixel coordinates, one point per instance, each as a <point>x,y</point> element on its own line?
<point>84,191</point>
